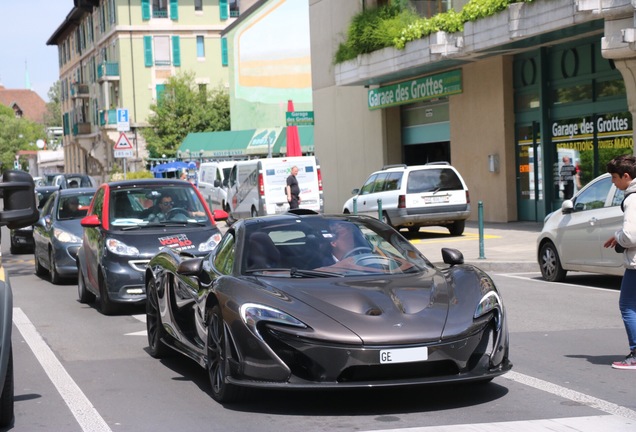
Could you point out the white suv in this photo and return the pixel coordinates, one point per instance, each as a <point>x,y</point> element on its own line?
<point>415,196</point>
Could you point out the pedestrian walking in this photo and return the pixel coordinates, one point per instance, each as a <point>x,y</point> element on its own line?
<point>623,171</point>
<point>292,189</point>
<point>568,173</point>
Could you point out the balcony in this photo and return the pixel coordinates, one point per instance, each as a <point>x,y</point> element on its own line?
<point>107,117</point>
<point>108,71</point>
<point>79,90</point>
<point>81,129</point>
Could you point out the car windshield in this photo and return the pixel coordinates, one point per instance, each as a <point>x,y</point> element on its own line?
<point>73,206</point>
<point>149,205</point>
<point>325,247</point>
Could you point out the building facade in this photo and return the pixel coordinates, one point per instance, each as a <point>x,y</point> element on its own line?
<point>505,101</point>
<point>118,54</point>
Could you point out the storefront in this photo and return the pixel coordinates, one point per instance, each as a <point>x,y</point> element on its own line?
<point>570,109</point>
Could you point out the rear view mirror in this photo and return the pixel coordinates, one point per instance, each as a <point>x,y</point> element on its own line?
<point>220,214</point>
<point>18,191</point>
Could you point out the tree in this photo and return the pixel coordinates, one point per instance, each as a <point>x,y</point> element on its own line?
<point>53,116</point>
<point>16,134</point>
<point>185,107</point>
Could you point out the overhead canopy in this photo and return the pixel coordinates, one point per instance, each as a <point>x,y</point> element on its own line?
<point>243,143</point>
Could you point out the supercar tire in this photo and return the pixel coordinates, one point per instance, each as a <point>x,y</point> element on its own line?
<point>55,276</point>
<point>84,295</point>
<point>7,398</point>
<point>218,365</point>
<point>39,268</point>
<point>550,264</point>
<point>106,306</point>
<point>457,228</point>
<point>154,327</point>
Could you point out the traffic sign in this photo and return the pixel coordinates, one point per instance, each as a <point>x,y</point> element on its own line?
<point>123,121</point>
<point>123,148</point>
<point>299,118</point>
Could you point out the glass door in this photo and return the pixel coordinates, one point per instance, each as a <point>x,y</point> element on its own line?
<point>530,194</point>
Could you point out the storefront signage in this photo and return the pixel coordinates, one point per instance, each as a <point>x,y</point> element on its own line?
<point>612,131</point>
<point>299,118</point>
<point>429,87</point>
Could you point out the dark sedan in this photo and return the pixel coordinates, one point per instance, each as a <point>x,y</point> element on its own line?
<point>308,301</point>
<point>58,233</point>
<point>127,224</point>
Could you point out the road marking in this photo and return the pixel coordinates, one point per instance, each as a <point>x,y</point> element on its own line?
<point>84,412</point>
<point>528,278</point>
<point>569,424</point>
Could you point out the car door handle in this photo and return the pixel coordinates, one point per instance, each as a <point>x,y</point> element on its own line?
<point>593,221</point>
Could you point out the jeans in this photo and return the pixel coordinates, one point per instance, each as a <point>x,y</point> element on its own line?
<point>627,305</point>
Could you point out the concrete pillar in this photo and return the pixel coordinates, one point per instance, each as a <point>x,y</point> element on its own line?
<point>627,68</point>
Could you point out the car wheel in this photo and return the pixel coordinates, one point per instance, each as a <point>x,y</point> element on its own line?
<point>7,398</point>
<point>55,276</point>
<point>154,327</point>
<point>106,306</point>
<point>85,296</point>
<point>457,228</point>
<point>550,263</point>
<point>414,229</point>
<point>218,365</point>
<point>386,219</point>
<point>39,268</point>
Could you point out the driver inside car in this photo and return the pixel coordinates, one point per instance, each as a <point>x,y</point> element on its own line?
<point>347,240</point>
<point>162,209</point>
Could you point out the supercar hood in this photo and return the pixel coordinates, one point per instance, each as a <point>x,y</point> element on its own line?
<point>394,310</point>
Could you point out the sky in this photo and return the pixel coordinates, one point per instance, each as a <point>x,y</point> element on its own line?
<point>25,26</point>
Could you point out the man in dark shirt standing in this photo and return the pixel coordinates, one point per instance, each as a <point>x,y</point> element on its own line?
<point>292,189</point>
<point>568,171</point>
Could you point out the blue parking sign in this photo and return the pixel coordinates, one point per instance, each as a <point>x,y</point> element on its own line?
<point>123,121</point>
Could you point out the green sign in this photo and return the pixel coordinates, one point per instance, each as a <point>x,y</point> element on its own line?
<point>429,87</point>
<point>300,118</point>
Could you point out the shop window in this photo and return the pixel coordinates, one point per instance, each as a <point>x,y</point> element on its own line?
<point>610,88</point>
<point>576,93</point>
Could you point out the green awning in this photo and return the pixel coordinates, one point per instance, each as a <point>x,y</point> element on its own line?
<point>249,142</point>
<point>215,144</point>
<point>306,135</point>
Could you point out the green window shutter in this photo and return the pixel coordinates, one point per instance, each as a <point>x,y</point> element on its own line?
<point>176,51</point>
<point>224,51</point>
<point>223,9</point>
<point>148,51</point>
<point>160,89</point>
<point>145,10</point>
<point>174,10</point>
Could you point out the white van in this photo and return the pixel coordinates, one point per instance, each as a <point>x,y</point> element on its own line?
<point>212,181</point>
<point>257,186</point>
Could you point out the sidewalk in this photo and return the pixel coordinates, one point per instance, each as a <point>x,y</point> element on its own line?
<point>509,247</point>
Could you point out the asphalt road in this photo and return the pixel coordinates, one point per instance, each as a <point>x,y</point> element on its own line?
<point>77,370</point>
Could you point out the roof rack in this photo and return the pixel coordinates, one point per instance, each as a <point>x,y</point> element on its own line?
<point>438,163</point>
<point>395,166</point>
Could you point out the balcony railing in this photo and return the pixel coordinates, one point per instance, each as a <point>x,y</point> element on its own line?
<point>108,70</point>
<point>107,117</point>
<point>79,90</point>
<point>160,13</point>
<point>81,128</point>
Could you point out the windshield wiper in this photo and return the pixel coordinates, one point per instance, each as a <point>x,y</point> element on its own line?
<point>296,272</point>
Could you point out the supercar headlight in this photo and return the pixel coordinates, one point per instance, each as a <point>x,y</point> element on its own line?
<point>253,313</point>
<point>210,243</point>
<point>489,302</point>
<point>121,248</point>
<point>65,236</point>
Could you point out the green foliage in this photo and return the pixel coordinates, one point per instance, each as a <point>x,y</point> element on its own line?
<point>16,134</point>
<point>396,24</point>
<point>53,116</point>
<point>131,175</point>
<point>185,108</point>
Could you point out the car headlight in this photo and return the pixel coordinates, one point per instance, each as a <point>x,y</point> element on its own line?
<point>65,236</point>
<point>210,243</point>
<point>253,313</point>
<point>120,248</point>
<point>489,302</point>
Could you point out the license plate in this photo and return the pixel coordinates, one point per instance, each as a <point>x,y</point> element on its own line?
<point>403,355</point>
<point>436,199</point>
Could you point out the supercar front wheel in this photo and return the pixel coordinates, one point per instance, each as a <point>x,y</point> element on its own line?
<point>218,365</point>
<point>154,327</point>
